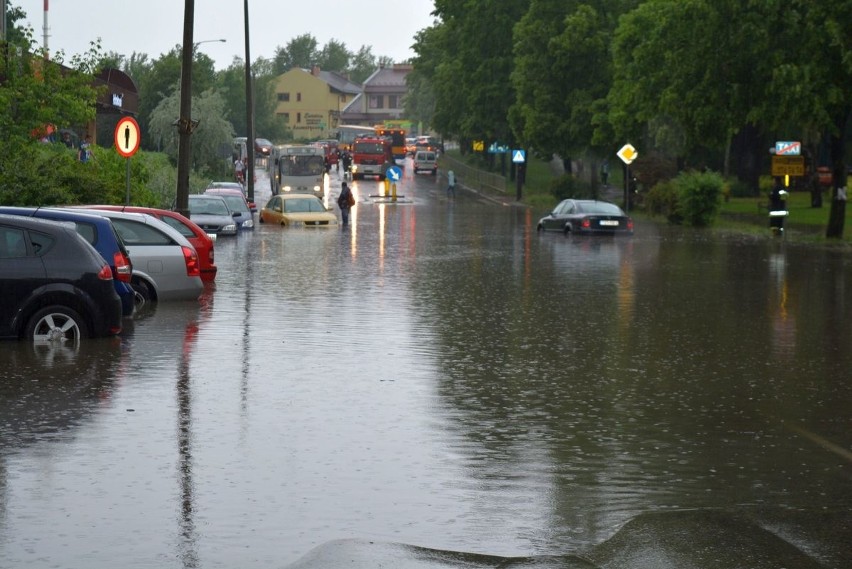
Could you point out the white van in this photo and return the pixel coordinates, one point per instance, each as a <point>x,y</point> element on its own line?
<point>426,160</point>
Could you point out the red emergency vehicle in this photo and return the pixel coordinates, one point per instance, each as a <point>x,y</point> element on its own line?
<point>371,156</point>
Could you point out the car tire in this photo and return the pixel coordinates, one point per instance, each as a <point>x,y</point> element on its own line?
<point>539,228</point>
<point>567,230</point>
<point>142,295</point>
<point>56,324</point>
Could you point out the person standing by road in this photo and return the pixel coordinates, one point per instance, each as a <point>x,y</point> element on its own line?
<point>345,202</point>
<point>451,184</point>
<point>239,170</point>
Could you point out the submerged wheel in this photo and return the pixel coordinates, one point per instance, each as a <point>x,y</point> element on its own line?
<point>141,294</point>
<point>56,324</point>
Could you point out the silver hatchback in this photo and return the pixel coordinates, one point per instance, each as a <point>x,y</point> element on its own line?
<point>165,264</point>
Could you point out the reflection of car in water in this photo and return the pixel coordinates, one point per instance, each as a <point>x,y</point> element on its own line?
<point>587,217</point>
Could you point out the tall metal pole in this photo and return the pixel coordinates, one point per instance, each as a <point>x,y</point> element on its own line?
<point>249,114</point>
<point>185,125</point>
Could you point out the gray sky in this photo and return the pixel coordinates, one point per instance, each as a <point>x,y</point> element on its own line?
<point>155,26</point>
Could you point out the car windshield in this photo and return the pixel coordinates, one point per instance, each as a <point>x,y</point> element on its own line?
<point>369,148</point>
<point>208,207</point>
<point>303,205</point>
<point>600,207</point>
<point>236,203</point>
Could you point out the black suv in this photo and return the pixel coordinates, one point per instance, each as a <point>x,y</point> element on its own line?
<point>54,286</point>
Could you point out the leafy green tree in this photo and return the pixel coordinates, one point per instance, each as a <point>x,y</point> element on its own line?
<point>334,57</point>
<point>363,64</point>
<point>300,51</point>
<point>213,133</point>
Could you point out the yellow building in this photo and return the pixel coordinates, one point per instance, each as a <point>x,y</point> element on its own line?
<point>310,101</point>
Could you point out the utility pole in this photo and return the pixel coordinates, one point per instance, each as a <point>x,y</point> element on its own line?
<point>185,124</point>
<point>249,114</point>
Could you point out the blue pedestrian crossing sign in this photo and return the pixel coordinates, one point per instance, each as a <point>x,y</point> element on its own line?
<point>394,174</point>
<point>519,156</point>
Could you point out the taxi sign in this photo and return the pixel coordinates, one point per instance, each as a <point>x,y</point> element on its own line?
<point>788,148</point>
<point>127,137</point>
<point>394,174</point>
<point>627,153</point>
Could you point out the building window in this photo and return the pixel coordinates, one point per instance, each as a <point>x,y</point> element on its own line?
<point>393,101</point>
<point>284,97</point>
<point>285,116</point>
<point>298,117</point>
<point>376,102</point>
<point>298,97</point>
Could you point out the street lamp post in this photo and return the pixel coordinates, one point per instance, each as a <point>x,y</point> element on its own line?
<point>249,113</point>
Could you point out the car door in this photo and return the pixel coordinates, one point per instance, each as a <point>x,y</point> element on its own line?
<point>555,221</point>
<point>21,272</point>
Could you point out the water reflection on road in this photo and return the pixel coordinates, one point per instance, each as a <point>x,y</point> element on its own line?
<point>440,375</point>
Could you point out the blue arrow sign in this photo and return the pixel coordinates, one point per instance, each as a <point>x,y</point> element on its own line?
<point>394,173</point>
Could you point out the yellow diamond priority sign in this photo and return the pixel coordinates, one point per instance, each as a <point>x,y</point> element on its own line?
<point>627,153</point>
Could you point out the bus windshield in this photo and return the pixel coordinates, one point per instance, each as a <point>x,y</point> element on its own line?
<point>296,165</point>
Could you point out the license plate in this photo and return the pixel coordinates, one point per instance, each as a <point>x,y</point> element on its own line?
<point>609,222</point>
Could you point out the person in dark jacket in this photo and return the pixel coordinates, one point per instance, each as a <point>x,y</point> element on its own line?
<point>345,202</point>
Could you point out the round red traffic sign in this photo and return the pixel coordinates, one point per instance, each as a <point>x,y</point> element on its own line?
<point>127,136</point>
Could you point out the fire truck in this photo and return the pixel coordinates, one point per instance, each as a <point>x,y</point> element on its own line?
<point>371,156</point>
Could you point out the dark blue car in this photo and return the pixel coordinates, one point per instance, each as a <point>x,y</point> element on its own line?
<point>101,234</point>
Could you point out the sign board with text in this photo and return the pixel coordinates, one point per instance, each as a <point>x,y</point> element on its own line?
<point>788,165</point>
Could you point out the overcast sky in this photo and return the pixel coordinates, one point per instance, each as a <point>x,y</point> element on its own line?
<point>155,26</point>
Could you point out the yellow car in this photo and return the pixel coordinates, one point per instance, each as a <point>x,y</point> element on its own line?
<point>297,210</point>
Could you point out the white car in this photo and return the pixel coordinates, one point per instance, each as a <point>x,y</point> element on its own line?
<point>165,264</point>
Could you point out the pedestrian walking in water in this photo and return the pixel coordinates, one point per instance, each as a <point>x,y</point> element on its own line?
<point>345,202</point>
<point>451,184</point>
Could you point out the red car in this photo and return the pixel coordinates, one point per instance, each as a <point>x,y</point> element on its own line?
<point>200,240</point>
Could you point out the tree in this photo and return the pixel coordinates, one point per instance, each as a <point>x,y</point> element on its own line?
<point>334,57</point>
<point>213,130</point>
<point>363,64</point>
<point>300,51</point>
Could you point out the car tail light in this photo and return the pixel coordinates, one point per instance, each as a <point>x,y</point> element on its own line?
<point>193,268</point>
<point>105,274</point>
<point>630,224</point>
<point>123,268</point>
<point>586,223</point>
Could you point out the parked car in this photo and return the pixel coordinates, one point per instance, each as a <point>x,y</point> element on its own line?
<point>233,186</point>
<point>101,234</point>
<point>54,286</point>
<point>165,264</point>
<point>296,210</point>
<point>197,236</point>
<point>585,217</point>
<point>212,214</point>
<point>426,160</point>
<point>238,205</point>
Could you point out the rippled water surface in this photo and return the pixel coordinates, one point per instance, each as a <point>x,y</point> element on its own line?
<point>438,375</point>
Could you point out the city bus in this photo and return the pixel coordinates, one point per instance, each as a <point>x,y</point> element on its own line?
<point>298,169</point>
<point>347,133</point>
<point>397,137</point>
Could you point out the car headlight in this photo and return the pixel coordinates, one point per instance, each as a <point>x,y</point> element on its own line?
<point>296,224</point>
<point>230,228</point>
<point>248,223</point>
<point>287,188</point>
<point>317,189</point>
<point>354,167</point>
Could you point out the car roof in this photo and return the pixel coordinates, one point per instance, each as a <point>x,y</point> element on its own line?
<point>292,196</point>
<point>65,214</point>
<point>223,191</point>
<point>34,222</point>
<point>146,219</point>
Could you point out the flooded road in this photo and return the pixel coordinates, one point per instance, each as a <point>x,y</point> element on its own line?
<point>439,375</point>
